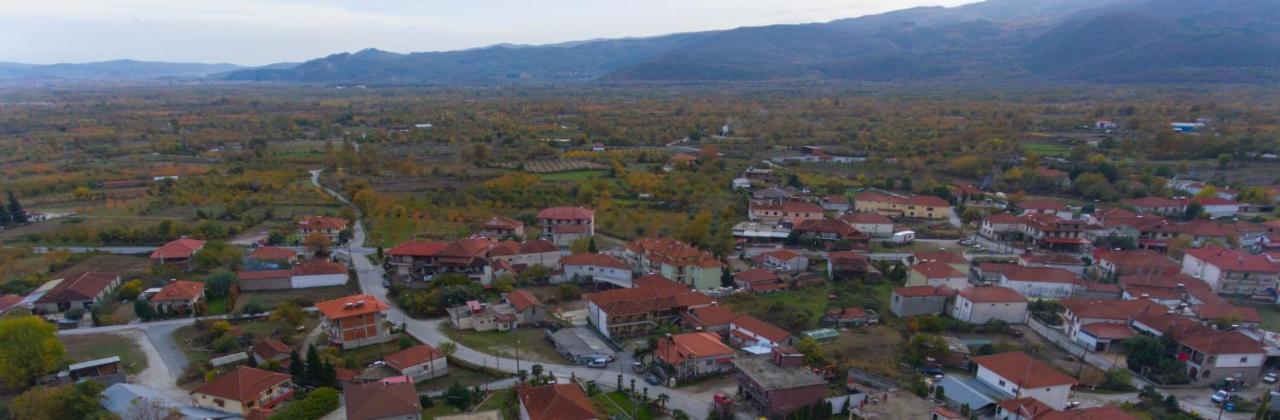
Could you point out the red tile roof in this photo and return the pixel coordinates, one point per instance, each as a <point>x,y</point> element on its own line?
<point>652,293</point>
<point>1096,413</point>
<point>418,248</point>
<point>538,246</point>
<point>709,316</point>
<point>179,291</point>
<point>556,402</point>
<point>991,294</point>
<point>380,400</point>
<point>318,268</point>
<point>1021,369</point>
<point>1210,341</point>
<point>1111,309</point>
<point>272,253</point>
<point>522,300</point>
<point>323,222</point>
<point>1025,407</point>
<point>1211,312</point>
<point>1108,331</point>
<point>675,349</point>
<point>84,286</point>
<point>7,301</point>
<point>866,219</point>
<point>942,257</point>
<point>936,270</point>
<point>761,328</point>
<point>1001,219</point>
<point>782,254</point>
<point>337,308</point>
<point>1042,204</point>
<point>412,356</point>
<point>178,248</point>
<point>1041,275</point>
<point>243,384</point>
<point>269,348</point>
<point>1139,260</point>
<point>263,275</point>
<point>1231,260</point>
<point>566,213</point>
<point>501,223</point>
<point>598,260</point>
<point>756,275</point>
<point>922,291</point>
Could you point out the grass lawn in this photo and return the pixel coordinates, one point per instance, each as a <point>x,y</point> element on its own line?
<point>439,409</point>
<point>463,375</point>
<point>360,357</point>
<point>813,301</point>
<point>618,405</point>
<point>572,175</point>
<point>1046,149</point>
<point>534,344</point>
<point>497,401</point>
<point>82,348</point>
<point>217,306</point>
<point>1270,313</point>
<point>197,353</point>
<point>304,297</point>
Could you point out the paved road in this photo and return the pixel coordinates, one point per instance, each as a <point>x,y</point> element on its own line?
<point>123,250</point>
<point>428,331</point>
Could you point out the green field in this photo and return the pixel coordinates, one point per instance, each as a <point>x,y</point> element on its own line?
<point>1046,149</point>
<point>573,175</point>
<point>619,406</point>
<point>534,344</point>
<point>82,348</point>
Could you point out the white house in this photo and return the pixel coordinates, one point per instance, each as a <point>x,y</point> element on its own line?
<point>782,260</point>
<point>598,267</point>
<point>1080,314</point>
<point>977,305</point>
<point>746,330</point>
<point>937,273</point>
<point>419,363</point>
<point>1041,282</point>
<point>874,225</point>
<point>1019,375</point>
<point>318,273</point>
<point>1217,207</point>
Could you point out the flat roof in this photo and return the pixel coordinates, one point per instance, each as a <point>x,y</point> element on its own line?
<point>773,377</point>
<point>581,341</point>
<point>95,362</point>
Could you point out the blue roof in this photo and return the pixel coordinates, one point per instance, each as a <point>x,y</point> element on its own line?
<point>970,391</point>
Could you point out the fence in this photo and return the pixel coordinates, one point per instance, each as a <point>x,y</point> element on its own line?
<point>853,400</point>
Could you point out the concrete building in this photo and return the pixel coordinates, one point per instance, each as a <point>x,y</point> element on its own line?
<point>1078,314</point>
<point>874,225</point>
<point>78,291</point>
<point>581,346</point>
<point>779,384</point>
<point>782,260</point>
<point>354,321</point>
<point>499,227</point>
<point>674,260</point>
<point>563,225</point>
<point>330,227</point>
<point>693,355</point>
<point>317,273</point>
<point>1231,272</point>
<point>977,305</point>
<point>419,363</point>
<point>1039,282</point>
<point>746,331</point>
<point>593,267</point>
<point>655,300</point>
<point>1017,375</point>
<point>919,207</point>
<point>934,273</point>
<point>919,300</point>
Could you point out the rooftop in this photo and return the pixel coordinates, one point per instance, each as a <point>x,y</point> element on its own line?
<point>772,377</point>
<point>379,400</point>
<point>556,402</point>
<point>351,306</point>
<point>1021,369</point>
<point>242,384</point>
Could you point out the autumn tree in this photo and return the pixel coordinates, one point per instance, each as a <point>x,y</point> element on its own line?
<point>29,348</point>
<point>288,315</point>
<point>318,243</point>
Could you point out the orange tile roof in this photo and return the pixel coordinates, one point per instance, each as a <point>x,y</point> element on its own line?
<point>243,384</point>
<point>379,400</point>
<point>675,349</point>
<point>1210,341</point>
<point>941,256</point>
<point>1134,260</point>
<point>761,328</point>
<point>179,290</point>
<point>272,253</point>
<point>318,267</point>
<point>1232,260</point>
<point>1025,407</point>
<point>337,308</point>
<point>501,222</point>
<point>522,299</point>
<point>1021,369</point>
<point>936,270</point>
<point>178,248</point>
<point>1111,309</point>
<point>991,294</point>
<point>84,286</point>
<point>1212,312</point>
<point>1106,330</point>
<point>556,402</point>
<point>412,356</point>
<point>756,275</point>
<point>264,275</point>
<point>709,316</point>
<point>418,248</point>
<point>566,213</point>
<point>652,293</point>
<point>598,260</point>
<point>270,347</point>
<point>867,219</point>
<point>1096,413</point>
<point>1041,275</point>
<point>7,301</point>
<point>782,254</point>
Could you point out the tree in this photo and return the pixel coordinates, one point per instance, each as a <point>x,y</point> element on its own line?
<point>143,310</point>
<point>1223,160</point>
<point>318,243</point>
<point>1193,211</point>
<point>288,315</point>
<point>568,291</point>
<point>29,348</point>
<point>591,246</point>
<point>448,348</point>
<point>536,371</point>
<point>458,396</point>
<point>218,284</point>
<point>813,354</point>
<point>315,368</point>
<point>296,368</point>
<point>317,404</point>
<point>73,314</point>
<point>130,289</point>
<point>1143,352</point>
<point>79,401</point>
<point>16,214</point>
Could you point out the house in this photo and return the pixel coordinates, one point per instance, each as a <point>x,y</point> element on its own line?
<point>919,207</point>
<point>1079,314</point>
<point>1053,232</point>
<point>527,254</point>
<point>1231,272</point>
<point>831,230</point>
<point>655,300</point>
<point>977,305</point>
<point>317,273</point>
<point>528,309</point>
<point>274,253</point>
<point>555,402</point>
<point>1217,207</point>
<point>354,321</point>
<point>943,413</point>
<point>874,225</point>
<point>178,296</point>
<point>1170,290</point>
<point>416,263</point>
<point>836,203</point>
<point>1017,374</point>
<point>380,400</point>
<point>708,318</point>
<point>693,355</point>
<point>1212,355</point>
<point>772,195</point>
<point>563,225</point>
<point>674,260</point>
<point>1241,316</point>
<point>850,317</point>
<point>269,349</point>
<point>847,265</point>
<point>782,260</point>
<point>1025,408</point>
<point>1040,282</point>
<point>787,211</point>
<point>581,346</point>
<point>1104,125</point>
<point>779,384</point>
<point>243,390</point>
<point>758,280</point>
<point>956,261</point>
<point>265,280</point>
<point>1049,207</point>
<point>480,316</point>
<point>683,159</point>
<point>587,267</point>
<point>499,227</point>
<point>739,184</point>
<point>1158,205</point>
<point>106,371</point>
<point>419,363</point>
<point>1066,262</point>
<point>934,273</point>
<point>919,300</point>
<point>999,227</point>
<point>1114,264</point>
<point>79,291</point>
<point>177,252</point>
<point>330,227</point>
<point>746,331</point>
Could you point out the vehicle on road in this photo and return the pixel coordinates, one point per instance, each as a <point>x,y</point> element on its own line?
<point>599,363</point>
<point>637,367</point>
<point>652,379</point>
<point>1223,395</point>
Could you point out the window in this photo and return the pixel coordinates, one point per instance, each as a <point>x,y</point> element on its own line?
<point>219,402</point>
<point>1002,382</point>
<point>1244,360</point>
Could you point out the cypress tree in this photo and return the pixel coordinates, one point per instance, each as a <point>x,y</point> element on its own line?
<point>315,369</point>
<point>15,210</point>
<point>296,367</point>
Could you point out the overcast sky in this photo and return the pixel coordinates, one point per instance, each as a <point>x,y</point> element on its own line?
<point>254,32</point>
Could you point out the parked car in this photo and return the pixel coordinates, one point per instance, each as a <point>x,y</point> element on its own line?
<point>599,363</point>
<point>637,367</point>
<point>652,379</point>
<point>932,371</point>
<point>1223,395</point>
<point>1270,377</point>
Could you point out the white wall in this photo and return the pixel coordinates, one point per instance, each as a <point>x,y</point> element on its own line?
<point>1035,289</point>
<point>1194,267</point>
<point>980,313</point>
<point>620,277</point>
<point>1233,360</point>
<point>1055,397</point>
<point>303,282</point>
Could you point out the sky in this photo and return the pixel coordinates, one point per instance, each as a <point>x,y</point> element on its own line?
<point>257,32</point>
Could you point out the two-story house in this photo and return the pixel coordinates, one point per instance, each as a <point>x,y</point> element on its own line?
<point>1231,272</point>
<point>1018,375</point>
<point>977,305</point>
<point>935,273</point>
<point>354,321</point>
<point>1115,264</point>
<point>655,300</point>
<point>693,355</point>
<point>563,225</point>
<point>918,207</point>
<point>330,227</point>
<point>779,384</point>
<point>747,331</point>
<point>595,267</point>
<point>782,260</point>
<point>674,260</point>
<point>243,390</point>
<point>1079,314</point>
<point>786,211</point>
<point>1038,282</point>
<point>499,227</point>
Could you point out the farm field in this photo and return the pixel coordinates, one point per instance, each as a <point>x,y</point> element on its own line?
<point>82,348</point>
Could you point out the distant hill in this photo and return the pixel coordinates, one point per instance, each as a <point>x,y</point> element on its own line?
<point>111,70</point>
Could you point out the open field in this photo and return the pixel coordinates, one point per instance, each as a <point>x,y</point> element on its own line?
<point>462,375</point>
<point>551,166</point>
<point>82,348</point>
<point>572,175</point>
<point>1046,149</point>
<point>533,343</point>
<point>303,297</point>
<point>123,264</point>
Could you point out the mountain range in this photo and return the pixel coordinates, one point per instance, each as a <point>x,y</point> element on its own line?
<point>1108,41</point>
